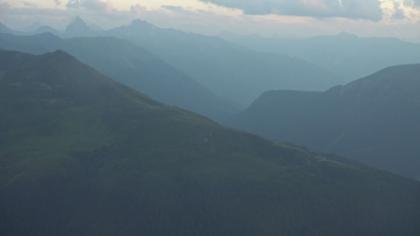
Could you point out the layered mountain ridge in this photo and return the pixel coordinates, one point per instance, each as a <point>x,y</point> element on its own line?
<point>83,155</point>
<point>373,120</point>
<point>132,66</point>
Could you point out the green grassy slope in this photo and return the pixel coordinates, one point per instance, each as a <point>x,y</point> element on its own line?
<point>83,155</point>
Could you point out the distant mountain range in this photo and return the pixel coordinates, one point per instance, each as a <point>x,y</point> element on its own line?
<point>46,29</point>
<point>5,29</point>
<point>132,66</point>
<point>81,154</point>
<point>230,71</point>
<point>345,55</point>
<point>374,120</point>
<point>79,28</point>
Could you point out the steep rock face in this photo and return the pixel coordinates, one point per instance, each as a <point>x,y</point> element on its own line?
<point>83,155</point>
<point>373,120</point>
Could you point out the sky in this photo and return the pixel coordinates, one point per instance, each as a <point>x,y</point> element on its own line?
<point>282,18</point>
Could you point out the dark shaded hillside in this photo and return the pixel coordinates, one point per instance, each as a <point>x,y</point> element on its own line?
<point>131,66</point>
<point>374,120</point>
<point>230,71</point>
<point>83,155</point>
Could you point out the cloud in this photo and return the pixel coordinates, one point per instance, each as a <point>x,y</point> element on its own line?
<point>73,4</point>
<point>285,18</point>
<point>4,6</point>
<point>357,9</point>
<point>411,11</point>
<point>95,5</point>
<point>408,10</point>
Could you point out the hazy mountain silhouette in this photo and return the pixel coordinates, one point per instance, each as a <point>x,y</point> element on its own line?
<point>46,29</point>
<point>132,66</point>
<point>346,55</point>
<point>5,29</point>
<point>230,71</point>
<point>79,28</point>
<point>82,155</point>
<point>374,120</point>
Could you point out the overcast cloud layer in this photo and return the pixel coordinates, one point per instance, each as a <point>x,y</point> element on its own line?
<point>366,9</point>
<point>356,9</point>
<point>400,18</point>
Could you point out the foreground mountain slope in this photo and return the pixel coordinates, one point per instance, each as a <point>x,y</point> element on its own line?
<point>83,155</point>
<point>231,71</point>
<point>132,66</point>
<point>373,120</point>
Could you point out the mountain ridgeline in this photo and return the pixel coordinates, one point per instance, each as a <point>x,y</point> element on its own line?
<point>232,72</point>
<point>81,154</point>
<point>79,28</point>
<point>132,66</point>
<point>215,63</point>
<point>345,55</point>
<point>374,120</point>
